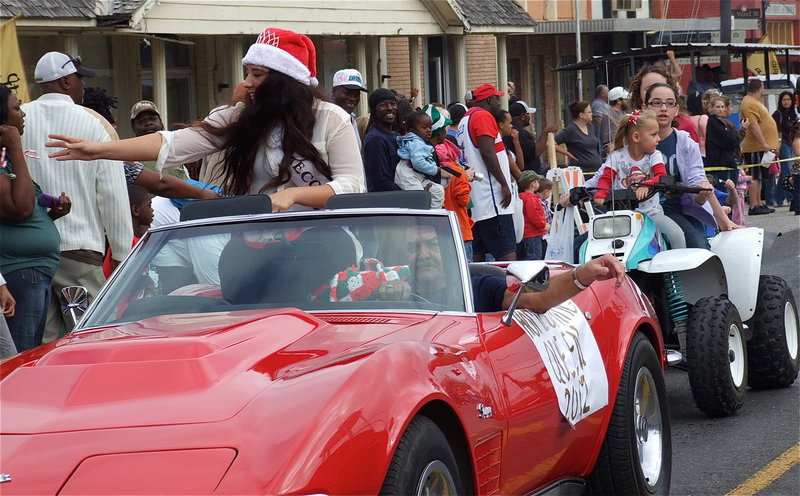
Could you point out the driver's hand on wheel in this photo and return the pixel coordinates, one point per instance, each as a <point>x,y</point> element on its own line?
<point>395,290</point>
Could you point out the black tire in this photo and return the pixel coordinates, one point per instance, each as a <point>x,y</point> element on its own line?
<point>423,463</point>
<point>636,457</point>
<point>773,358</point>
<point>717,356</point>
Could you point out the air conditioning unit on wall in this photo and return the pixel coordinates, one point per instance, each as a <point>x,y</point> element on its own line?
<point>626,4</point>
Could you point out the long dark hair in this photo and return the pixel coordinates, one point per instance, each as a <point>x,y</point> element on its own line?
<point>790,112</point>
<point>5,93</point>
<point>281,102</point>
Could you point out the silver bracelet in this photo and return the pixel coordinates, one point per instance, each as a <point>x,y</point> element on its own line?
<point>575,279</point>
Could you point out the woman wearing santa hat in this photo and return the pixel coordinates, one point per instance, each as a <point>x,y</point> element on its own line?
<point>283,136</point>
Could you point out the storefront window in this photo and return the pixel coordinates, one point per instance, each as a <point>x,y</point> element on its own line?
<point>181,103</point>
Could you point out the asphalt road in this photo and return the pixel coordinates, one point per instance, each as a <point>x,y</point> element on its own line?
<point>718,456</point>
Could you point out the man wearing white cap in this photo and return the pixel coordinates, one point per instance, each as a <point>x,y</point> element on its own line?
<point>346,93</point>
<point>618,101</point>
<point>97,188</point>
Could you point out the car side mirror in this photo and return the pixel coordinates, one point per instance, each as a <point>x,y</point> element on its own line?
<point>74,301</point>
<point>533,275</point>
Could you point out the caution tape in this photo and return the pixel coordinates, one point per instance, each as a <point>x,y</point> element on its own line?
<point>748,166</point>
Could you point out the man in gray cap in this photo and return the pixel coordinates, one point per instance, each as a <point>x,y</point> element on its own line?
<point>97,188</point>
<point>346,93</point>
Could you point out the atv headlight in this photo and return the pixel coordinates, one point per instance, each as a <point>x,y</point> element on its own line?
<point>612,227</point>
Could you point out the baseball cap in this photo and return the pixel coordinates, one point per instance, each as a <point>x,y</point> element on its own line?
<point>144,106</point>
<point>349,78</point>
<point>484,91</point>
<point>527,177</point>
<point>55,65</point>
<point>519,107</point>
<point>616,93</point>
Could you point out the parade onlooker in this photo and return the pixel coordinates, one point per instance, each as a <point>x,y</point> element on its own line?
<point>97,188</point>
<point>761,135</point>
<point>146,119</point>
<point>618,105</point>
<point>418,167</point>
<point>457,192</point>
<point>29,241</point>
<point>483,149</point>
<point>456,111</point>
<point>786,117</point>
<point>380,143</point>
<point>647,77</point>
<point>531,147</point>
<point>794,176</point>
<point>346,93</point>
<point>141,217</point>
<point>536,226</point>
<point>284,140</point>
<point>7,307</point>
<point>581,139</point>
<point>722,142</point>
<point>516,157</point>
<point>600,104</point>
<point>700,121</point>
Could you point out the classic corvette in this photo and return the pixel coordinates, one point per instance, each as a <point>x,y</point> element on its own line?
<point>336,352</point>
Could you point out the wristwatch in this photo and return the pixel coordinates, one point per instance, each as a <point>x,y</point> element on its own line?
<point>575,279</point>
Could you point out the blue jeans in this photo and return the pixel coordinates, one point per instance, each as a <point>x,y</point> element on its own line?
<point>31,289</point>
<point>692,228</point>
<point>781,195</point>
<point>468,250</point>
<point>530,248</point>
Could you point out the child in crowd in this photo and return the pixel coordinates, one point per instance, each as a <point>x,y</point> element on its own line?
<point>726,194</point>
<point>418,168</point>
<point>516,159</point>
<point>544,191</point>
<point>457,192</point>
<point>635,161</point>
<point>530,248</point>
<point>141,217</point>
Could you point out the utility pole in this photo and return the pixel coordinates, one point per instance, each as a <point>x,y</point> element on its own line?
<point>725,33</point>
<point>578,49</point>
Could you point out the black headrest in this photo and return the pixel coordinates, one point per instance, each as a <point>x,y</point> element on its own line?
<point>415,199</point>
<point>223,207</point>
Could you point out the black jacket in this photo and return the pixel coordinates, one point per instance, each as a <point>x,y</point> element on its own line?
<point>722,143</point>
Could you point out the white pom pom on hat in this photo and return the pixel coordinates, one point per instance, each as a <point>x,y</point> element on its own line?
<point>286,52</point>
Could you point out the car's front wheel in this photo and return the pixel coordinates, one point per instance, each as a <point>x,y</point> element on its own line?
<point>636,457</point>
<point>717,356</point>
<point>423,463</point>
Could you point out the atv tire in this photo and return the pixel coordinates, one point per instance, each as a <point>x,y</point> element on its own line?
<point>717,356</point>
<point>773,358</point>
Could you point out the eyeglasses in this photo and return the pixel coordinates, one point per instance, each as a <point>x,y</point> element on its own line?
<point>659,104</point>
<point>75,60</point>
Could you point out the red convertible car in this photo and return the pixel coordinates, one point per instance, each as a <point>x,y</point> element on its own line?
<point>336,352</point>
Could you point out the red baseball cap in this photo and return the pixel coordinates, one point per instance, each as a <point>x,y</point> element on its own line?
<point>484,91</point>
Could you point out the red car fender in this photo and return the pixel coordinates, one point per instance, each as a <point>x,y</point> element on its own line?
<point>351,432</point>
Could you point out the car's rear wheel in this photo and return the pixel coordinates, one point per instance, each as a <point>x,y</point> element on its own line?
<point>773,358</point>
<point>423,464</point>
<point>717,356</point>
<point>636,457</point>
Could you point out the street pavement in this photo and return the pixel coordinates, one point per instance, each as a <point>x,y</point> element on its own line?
<point>717,456</point>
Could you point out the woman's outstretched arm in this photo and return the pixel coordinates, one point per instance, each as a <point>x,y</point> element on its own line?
<point>143,148</point>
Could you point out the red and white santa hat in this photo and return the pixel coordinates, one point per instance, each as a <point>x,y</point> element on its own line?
<point>286,52</point>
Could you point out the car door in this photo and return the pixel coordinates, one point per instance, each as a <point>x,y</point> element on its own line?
<point>540,445</point>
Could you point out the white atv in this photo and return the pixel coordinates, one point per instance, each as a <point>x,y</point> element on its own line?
<point>733,325</point>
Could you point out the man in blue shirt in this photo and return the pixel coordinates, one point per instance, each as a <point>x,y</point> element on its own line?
<point>380,144</point>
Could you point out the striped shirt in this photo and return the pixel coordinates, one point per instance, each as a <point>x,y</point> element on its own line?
<point>97,189</point>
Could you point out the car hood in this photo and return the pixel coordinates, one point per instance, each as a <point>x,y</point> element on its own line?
<point>178,369</point>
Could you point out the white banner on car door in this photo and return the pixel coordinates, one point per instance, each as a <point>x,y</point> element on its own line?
<point>572,358</point>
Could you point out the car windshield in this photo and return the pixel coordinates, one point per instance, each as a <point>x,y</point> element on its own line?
<point>315,263</point>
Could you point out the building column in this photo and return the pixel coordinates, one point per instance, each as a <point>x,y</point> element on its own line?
<point>360,48</point>
<point>160,79</point>
<point>502,67</point>
<point>373,71</point>
<point>127,80</point>
<point>70,44</point>
<point>460,45</point>
<point>383,64</point>
<point>235,61</point>
<point>416,74</point>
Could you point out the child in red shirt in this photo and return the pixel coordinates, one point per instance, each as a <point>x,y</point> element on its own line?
<point>141,216</point>
<point>530,248</point>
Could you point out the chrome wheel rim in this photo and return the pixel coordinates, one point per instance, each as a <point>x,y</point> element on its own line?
<point>648,427</point>
<point>790,329</point>
<point>436,481</point>
<point>736,354</point>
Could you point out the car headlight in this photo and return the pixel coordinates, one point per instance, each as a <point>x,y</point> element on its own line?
<point>612,227</point>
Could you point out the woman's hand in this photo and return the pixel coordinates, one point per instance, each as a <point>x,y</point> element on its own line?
<point>63,208</point>
<point>706,195</point>
<point>745,123</point>
<point>283,200</point>
<point>73,148</point>
<point>515,135</point>
<point>208,194</point>
<point>7,302</point>
<point>9,137</point>
<point>470,174</point>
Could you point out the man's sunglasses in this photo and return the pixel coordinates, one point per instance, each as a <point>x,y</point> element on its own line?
<point>74,60</point>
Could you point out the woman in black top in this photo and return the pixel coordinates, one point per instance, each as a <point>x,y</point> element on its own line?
<point>581,138</point>
<point>786,118</point>
<point>722,142</point>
